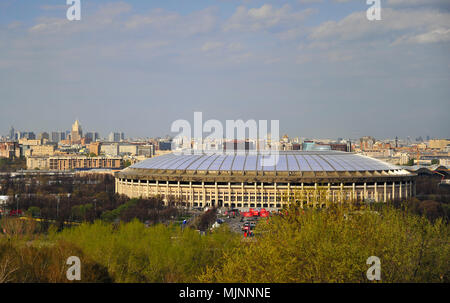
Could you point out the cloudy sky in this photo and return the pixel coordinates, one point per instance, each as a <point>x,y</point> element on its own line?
<point>320,67</point>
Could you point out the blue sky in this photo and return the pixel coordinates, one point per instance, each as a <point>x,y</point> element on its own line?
<point>320,67</point>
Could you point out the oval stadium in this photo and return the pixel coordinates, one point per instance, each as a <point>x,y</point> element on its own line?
<point>243,180</point>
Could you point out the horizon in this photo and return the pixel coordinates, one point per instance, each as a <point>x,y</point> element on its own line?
<point>319,67</point>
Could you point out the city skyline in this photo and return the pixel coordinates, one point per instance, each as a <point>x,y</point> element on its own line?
<point>118,132</point>
<point>320,67</point>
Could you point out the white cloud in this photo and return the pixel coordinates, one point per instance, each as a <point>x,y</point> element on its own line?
<point>356,26</point>
<point>264,18</point>
<point>103,18</point>
<point>209,46</point>
<point>202,21</point>
<point>416,2</point>
<point>435,36</point>
<point>216,45</point>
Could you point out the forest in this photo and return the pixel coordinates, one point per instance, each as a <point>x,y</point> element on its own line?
<point>126,240</point>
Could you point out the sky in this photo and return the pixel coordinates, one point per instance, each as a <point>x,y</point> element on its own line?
<point>319,67</point>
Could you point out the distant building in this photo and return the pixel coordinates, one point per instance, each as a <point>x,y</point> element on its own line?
<point>146,150</point>
<point>41,150</point>
<point>73,162</point>
<point>30,142</point>
<point>89,137</point>
<point>9,150</point>
<point>367,143</point>
<point>128,149</point>
<point>56,137</point>
<point>440,144</point>
<point>35,162</point>
<point>312,146</point>
<point>82,162</point>
<point>76,133</point>
<point>340,146</point>
<point>27,135</point>
<point>94,148</point>
<point>114,137</point>
<point>404,158</point>
<point>12,134</point>
<point>44,135</point>
<point>111,149</point>
<point>237,145</point>
<point>164,145</point>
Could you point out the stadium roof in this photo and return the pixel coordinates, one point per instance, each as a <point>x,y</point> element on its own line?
<point>289,161</point>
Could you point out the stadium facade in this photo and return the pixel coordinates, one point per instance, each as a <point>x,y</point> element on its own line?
<point>239,180</point>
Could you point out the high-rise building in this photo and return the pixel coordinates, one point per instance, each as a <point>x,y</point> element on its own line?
<point>58,136</point>
<point>12,134</point>
<point>367,142</point>
<point>27,135</point>
<point>114,137</point>
<point>76,133</point>
<point>89,136</point>
<point>44,135</point>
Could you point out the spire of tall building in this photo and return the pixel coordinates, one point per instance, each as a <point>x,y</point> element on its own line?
<point>76,133</point>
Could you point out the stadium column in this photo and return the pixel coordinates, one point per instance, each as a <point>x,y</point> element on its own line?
<point>365,190</point>
<point>191,194</point>
<point>410,188</point>
<point>400,190</point>
<point>289,192</point>
<point>393,190</point>
<point>406,190</point>
<point>303,193</point>
<point>167,192</point>
<point>354,196</point>
<point>342,192</point>
<point>328,194</point>
<point>229,193</point>
<point>242,192</point>
<point>275,193</point>
<point>178,190</point>
<point>315,196</point>
<point>216,193</point>
<point>256,191</point>
<point>148,189</point>
<point>203,194</point>
<point>385,192</point>
<point>376,191</point>
<point>262,193</point>
<point>307,195</point>
<point>157,188</point>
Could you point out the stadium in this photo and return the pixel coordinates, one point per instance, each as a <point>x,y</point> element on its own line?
<point>239,180</point>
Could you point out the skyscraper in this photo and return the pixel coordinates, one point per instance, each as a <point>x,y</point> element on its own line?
<point>76,133</point>
<point>12,134</point>
<point>114,137</point>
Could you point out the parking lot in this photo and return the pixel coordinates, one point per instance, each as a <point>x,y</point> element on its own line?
<point>237,221</point>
